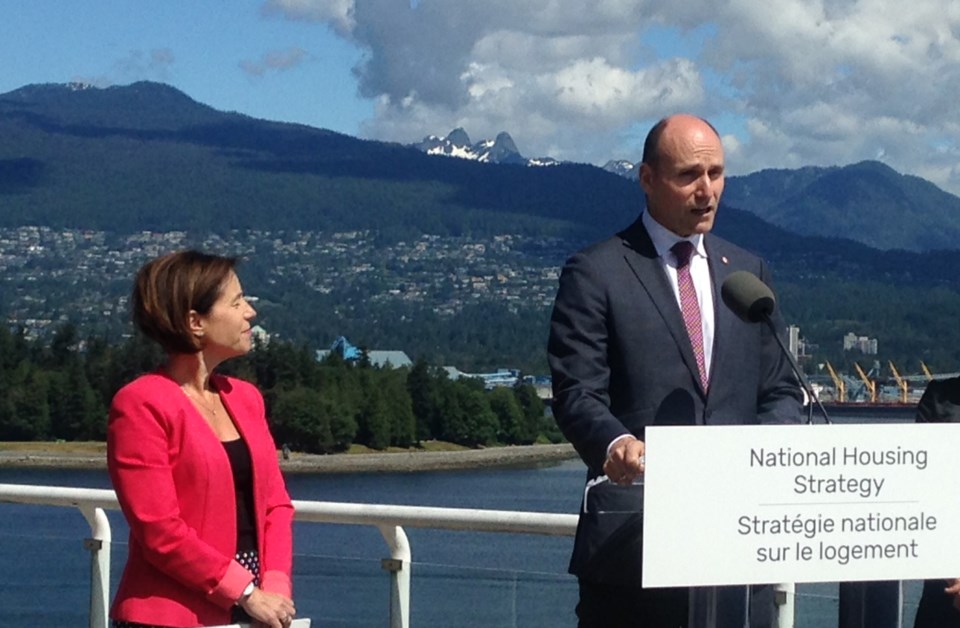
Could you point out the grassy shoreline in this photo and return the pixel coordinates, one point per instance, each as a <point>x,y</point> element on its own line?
<point>432,456</point>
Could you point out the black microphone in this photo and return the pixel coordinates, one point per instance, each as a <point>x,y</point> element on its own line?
<point>753,302</point>
<point>748,297</point>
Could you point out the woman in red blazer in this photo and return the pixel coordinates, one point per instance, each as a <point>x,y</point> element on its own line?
<point>193,462</point>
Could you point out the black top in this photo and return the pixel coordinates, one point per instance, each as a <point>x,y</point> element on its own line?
<point>242,468</point>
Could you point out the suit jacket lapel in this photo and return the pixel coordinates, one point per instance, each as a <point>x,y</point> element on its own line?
<point>642,258</point>
<point>723,318</point>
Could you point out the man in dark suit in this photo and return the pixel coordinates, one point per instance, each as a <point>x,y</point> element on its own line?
<point>625,353</point>
<point>939,605</point>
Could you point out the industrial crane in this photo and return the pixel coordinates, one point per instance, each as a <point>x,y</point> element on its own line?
<point>838,383</point>
<point>901,383</point>
<point>870,384</point>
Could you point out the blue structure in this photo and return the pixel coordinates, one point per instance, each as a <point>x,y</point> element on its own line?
<point>346,350</point>
<point>353,354</point>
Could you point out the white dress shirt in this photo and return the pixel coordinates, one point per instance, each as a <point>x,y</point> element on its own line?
<point>663,240</point>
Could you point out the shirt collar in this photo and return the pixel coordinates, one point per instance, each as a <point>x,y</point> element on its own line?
<point>663,239</point>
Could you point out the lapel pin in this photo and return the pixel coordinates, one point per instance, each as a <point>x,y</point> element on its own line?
<point>723,258</point>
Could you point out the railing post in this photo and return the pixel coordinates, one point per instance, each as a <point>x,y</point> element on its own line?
<point>99,546</point>
<point>784,596</point>
<point>398,565</point>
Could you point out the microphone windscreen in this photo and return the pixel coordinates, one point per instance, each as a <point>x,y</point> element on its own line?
<point>748,297</point>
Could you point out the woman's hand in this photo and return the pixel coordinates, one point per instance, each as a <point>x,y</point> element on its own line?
<point>269,609</point>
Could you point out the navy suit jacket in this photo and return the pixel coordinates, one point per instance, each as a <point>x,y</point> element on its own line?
<point>940,404</point>
<point>621,360</point>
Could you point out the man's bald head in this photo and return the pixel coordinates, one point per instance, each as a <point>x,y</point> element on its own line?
<point>682,174</point>
<point>651,145</point>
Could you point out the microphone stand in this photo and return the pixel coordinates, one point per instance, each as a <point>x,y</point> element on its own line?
<point>861,604</point>
<point>814,399</point>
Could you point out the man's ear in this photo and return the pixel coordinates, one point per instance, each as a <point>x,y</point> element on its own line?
<point>645,176</point>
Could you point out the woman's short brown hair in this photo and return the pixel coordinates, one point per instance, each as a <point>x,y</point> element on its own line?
<point>168,287</point>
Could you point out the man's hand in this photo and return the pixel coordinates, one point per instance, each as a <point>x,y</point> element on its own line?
<point>953,590</point>
<point>625,461</point>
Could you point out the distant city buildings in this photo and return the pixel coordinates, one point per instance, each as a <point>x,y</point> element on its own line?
<point>799,348</point>
<point>500,377</point>
<point>48,275</point>
<point>863,344</point>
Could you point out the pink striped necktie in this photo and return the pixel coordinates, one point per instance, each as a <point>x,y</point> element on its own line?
<point>689,306</point>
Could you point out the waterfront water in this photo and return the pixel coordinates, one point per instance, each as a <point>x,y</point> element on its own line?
<point>459,578</point>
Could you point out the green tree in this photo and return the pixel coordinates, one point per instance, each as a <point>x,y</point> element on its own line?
<point>137,355</point>
<point>451,422</point>
<point>373,420</point>
<point>482,424</point>
<point>423,389</point>
<point>24,408</point>
<point>510,417</point>
<point>14,349</point>
<point>403,423</point>
<point>64,344</point>
<point>304,420</point>
<point>76,410</point>
<point>535,419</point>
<point>342,424</point>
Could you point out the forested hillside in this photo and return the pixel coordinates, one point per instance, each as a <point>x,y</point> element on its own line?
<point>450,260</point>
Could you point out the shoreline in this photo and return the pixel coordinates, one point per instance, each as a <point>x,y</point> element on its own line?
<point>392,462</point>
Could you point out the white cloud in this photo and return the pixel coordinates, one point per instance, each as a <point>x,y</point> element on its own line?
<point>607,96</point>
<point>804,82</point>
<point>138,64</point>
<point>276,60</point>
<point>338,13</point>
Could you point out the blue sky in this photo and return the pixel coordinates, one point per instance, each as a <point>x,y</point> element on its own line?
<point>197,47</point>
<point>788,83</point>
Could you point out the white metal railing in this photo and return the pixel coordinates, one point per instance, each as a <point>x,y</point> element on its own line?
<point>388,519</point>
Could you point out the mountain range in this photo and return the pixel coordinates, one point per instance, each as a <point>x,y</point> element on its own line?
<point>868,202</point>
<point>147,157</point>
<point>105,158</point>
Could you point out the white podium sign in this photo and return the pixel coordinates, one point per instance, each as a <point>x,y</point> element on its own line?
<point>801,503</point>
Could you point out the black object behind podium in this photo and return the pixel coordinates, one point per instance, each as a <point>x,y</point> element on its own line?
<point>871,604</point>
<point>733,607</point>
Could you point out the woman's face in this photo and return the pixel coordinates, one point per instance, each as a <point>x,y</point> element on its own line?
<point>226,327</point>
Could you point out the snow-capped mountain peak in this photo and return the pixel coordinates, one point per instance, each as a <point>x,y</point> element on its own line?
<point>501,150</point>
<point>623,168</point>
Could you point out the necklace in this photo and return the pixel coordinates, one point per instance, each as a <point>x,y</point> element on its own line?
<point>204,405</point>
